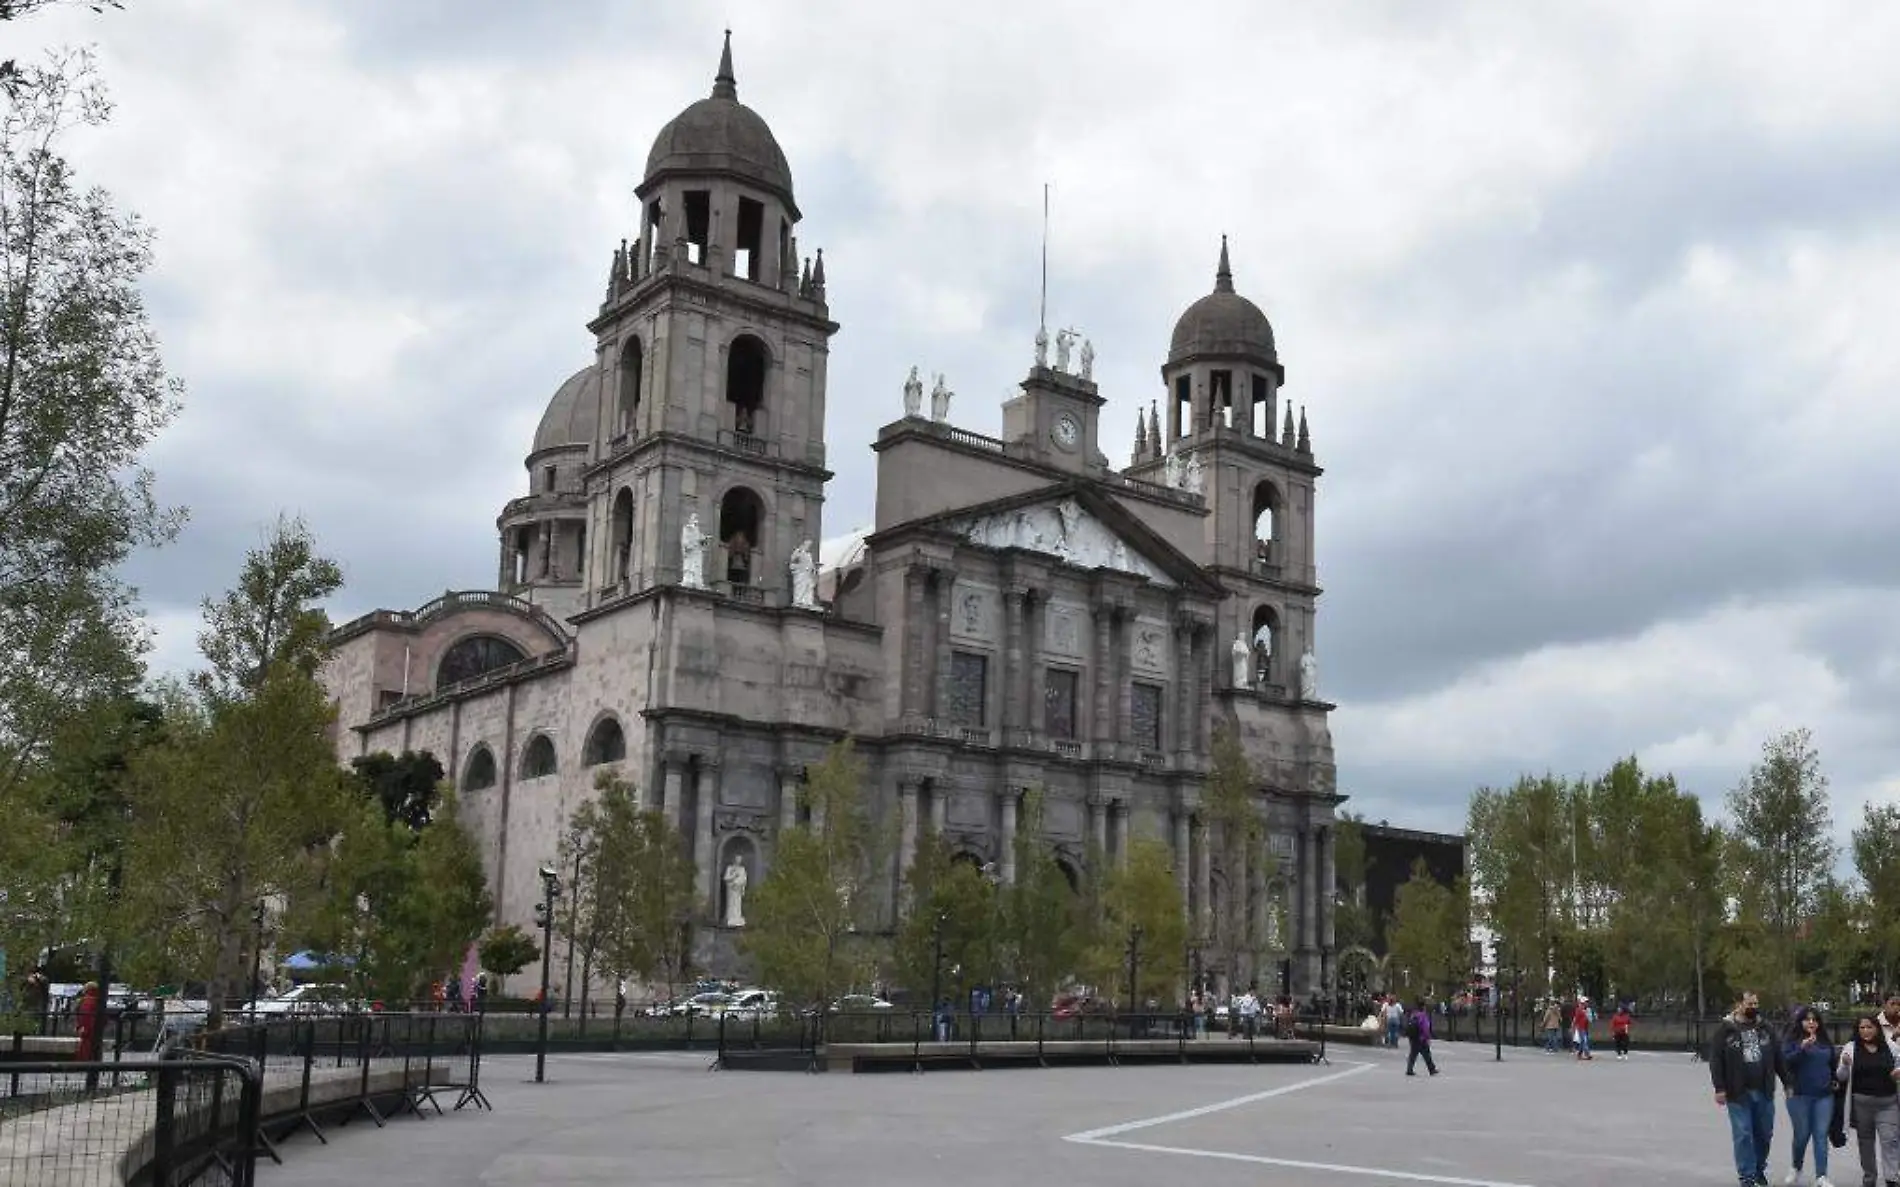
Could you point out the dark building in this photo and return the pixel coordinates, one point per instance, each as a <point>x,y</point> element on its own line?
<point>1390,855</point>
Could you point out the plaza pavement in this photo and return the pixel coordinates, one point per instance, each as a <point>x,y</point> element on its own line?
<point>663,1119</point>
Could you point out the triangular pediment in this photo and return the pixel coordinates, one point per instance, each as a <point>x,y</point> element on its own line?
<point>1075,524</point>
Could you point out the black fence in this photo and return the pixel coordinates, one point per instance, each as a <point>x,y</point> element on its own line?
<point>188,1118</point>
<point>305,1074</point>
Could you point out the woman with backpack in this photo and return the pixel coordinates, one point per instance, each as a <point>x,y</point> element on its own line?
<point>1418,1038</point>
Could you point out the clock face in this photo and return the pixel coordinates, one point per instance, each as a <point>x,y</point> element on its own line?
<point>1066,431</point>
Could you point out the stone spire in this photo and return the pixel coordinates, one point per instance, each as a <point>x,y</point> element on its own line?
<point>725,86</point>
<point>617,271</point>
<point>818,276</point>
<point>1223,275</point>
<point>1154,436</point>
<point>1141,436</point>
<point>1286,426</point>
<point>1306,441</point>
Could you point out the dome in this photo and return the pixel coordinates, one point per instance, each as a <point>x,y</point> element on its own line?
<point>719,134</point>
<point>1223,323</point>
<point>573,415</point>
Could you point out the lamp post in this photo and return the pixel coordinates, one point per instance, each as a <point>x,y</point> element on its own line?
<point>257,957</point>
<point>936,968</point>
<point>579,842</point>
<point>1134,964</point>
<point>544,910</point>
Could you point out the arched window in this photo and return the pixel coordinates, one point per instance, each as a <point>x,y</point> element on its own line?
<point>605,743</point>
<point>538,760</point>
<point>1266,639</point>
<point>1266,516</point>
<point>746,361</point>
<point>741,516</point>
<point>480,772</point>
<point>475,655</point>
<point>632,363</point>
<point>620,532</point>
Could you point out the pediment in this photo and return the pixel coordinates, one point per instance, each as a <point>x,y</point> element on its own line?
<point>1064,529</point>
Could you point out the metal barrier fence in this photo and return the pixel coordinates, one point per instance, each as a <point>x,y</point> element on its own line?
<point>187,1118</point>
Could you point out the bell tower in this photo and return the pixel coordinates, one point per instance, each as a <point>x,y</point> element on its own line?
<point>711,350</point>
<point>1226,418</point>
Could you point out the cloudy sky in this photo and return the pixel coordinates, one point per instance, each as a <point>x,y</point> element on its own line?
<point>1592,314</point>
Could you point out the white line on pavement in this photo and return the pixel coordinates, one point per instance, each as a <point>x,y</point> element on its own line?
<point>1217,1107</point>
<point>1297,1164</point>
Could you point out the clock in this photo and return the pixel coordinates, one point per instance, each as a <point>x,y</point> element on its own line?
<point>1066,432</point>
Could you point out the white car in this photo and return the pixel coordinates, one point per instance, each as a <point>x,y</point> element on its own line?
<point>856,1003</point>
<point>304,999</point>
<point>749,1004</point>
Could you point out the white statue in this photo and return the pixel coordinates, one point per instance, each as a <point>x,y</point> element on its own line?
<point>692,554</point>
<point>1309,677</point>
<point>913,394</point>
<point>940,401</point>
<point>1193,480</point>
<point>1243,661</point>
<point>1065,340</point>
<point>735,880</point>
<point>1171,471</point>
<point>804,577</point>
<point>1042,346</point>
<point>1088,359</point>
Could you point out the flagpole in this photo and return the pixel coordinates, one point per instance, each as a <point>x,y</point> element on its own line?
<point>1042,308</point>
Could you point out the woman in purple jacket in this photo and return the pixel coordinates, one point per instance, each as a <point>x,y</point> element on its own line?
<point>1418,1036</point>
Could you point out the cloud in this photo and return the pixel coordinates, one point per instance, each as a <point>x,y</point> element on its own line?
<point>1588,308</point>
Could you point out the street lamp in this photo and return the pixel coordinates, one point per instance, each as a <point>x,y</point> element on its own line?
<point>544,915</point>
<point>1134,963</point>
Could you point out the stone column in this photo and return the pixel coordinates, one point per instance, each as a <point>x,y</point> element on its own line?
<point>939,806</point>
<point>1123,675</point>
<point>788,783</point>
<point>1186,695</point>
<point>1204,878</point>
<point>674,792</point>
<point>1098,822</point>
<point>1308,878</point>
<point>945,587</point>
<point>1184,856</point>
<point>1120,821</point>
<point>1006,861</point>
<point>1102,723</point>
<point>1035,622</point>
<point>907,825</point>
<point>1328,880</point>
<point>1203,720</point>
<point>1015,680</point>
<point>704,859</point>
<point>914,703</point>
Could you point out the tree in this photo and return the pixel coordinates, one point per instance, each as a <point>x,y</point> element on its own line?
<point>1238,833</point>
<point>633,902</point>
<point>1784,852</point>
<point>948,938</point>
<point>1143,917</point>
<point>10,76</point>
<point>1353,922</point>
<point>1431,935</point>
<point>1876,847</point>
<point>406,787</point>
<point>506,950</point>
<point>1042,934</point>
<point>808,910</point>
<point>1524,856</point>
<point>241,799</point>
<point>82,393</point>
<point>271,620</point>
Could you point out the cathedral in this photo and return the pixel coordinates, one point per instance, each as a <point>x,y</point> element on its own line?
<point>1019,614</point>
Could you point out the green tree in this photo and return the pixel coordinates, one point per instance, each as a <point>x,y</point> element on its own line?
<point>1784,854</point>
<point>271,620</point>
<point>1876,848</point>
<point>954,911</point>
<point>1353,923</point>
<point>1043,933</point>
<point>1523,852</point>
<point>506,950</point>
<point>240,800</point>
<point>1237,832</point>
<point>82,393</point>
<point>804,920</point>
<point>406,786</point>
<point>1142,917</point>
<point>1430,935</point>
<point>635,896</point>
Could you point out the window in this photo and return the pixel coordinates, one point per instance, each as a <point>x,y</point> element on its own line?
<point>741,519</point>
<point>472,657</point>
<point>538,760</point>
<point>1220,409</point>
<point>969,684</point>
<point>1058,701</point>
<point>1182,422</point>
<point>698,224</point>
<point>745,260</point>
<point>746,362</point>
<point>1144,715</point>
<point>1260,420</point>
<point>547,475</point>
<point>1281,844</point>
<point>605,744</point>
<point>481,770</point>
<point>632,362</point>
<point>620,533</point>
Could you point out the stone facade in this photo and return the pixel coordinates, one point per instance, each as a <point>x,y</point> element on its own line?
<point>1021,614</point>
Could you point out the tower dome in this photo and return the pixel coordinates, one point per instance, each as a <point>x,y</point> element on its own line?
<point>1224,324</point>
<point>719,134</point>
<point>573,414</point>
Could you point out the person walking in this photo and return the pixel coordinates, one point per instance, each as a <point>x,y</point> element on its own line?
<point>1580,1028</point>
<point>1744,1063</point>
<point>90,1014</point>
<point>1620,1023</point>
<point>1808,1055</point>
<point>1394,1021</point>
<point>1866,1068</point>
<point>1418,1036</point>
<point>1553,1026</point>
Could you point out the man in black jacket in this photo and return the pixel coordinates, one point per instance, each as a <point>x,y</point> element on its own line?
<point>1744,1063</point>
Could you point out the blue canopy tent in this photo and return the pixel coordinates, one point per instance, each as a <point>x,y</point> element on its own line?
<point>309,962</point>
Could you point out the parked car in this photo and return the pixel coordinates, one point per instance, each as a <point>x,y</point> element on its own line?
<point>856,1003</point>
<point>749,1004</point>
<point>305,999</point>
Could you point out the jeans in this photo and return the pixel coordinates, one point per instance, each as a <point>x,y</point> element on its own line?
<point>1552,1036</point>
<point>1391,1034</point>
<point>1751,1126</point>
<point>1418,1050</point>
<point>1583,1041</point>
<point>1809,1115</point>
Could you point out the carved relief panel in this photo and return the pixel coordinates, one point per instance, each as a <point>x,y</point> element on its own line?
<point>1149,647</point>
<point>973,612</point>
<point>1065,628</point>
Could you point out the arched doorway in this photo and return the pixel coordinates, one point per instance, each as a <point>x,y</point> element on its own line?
<point>741,517</point>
